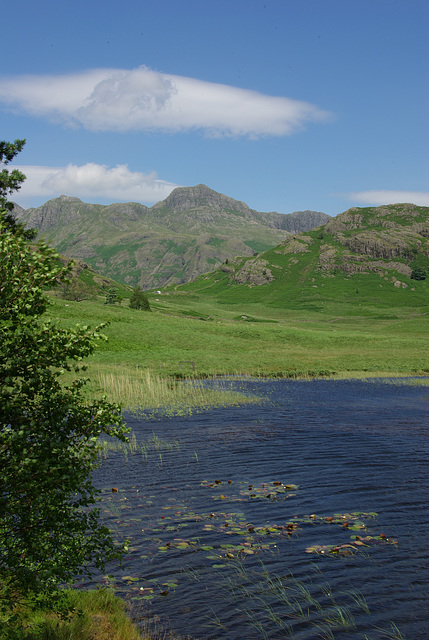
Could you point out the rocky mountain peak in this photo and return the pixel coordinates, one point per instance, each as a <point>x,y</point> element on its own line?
<point>63,198</point>
<point>200,196</point>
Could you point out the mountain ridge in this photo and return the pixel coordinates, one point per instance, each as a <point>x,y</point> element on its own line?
<point>189,233</point>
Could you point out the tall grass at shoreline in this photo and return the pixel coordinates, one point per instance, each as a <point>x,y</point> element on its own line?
<point>132,447</point>
<point>143,390</point>
<point>95,614</point>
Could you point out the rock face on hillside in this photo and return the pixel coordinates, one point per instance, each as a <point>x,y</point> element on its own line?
<point>192,231</point>
<point>390,233</point>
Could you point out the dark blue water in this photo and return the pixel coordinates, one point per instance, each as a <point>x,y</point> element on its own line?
<point>230,559</point>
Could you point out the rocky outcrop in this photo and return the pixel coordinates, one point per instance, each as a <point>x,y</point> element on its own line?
<point>380,244</point>
<point>295,244</point>
<point>254,273</point>
<point>379,239</point>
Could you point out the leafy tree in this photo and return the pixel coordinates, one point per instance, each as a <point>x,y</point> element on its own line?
<point>49,530</point>
<point>77,290</point>
<point>10,181</point>
<point>139,300</point>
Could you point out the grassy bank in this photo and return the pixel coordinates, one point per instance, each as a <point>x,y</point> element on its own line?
<point>189,336</point>
<point>95,615</point>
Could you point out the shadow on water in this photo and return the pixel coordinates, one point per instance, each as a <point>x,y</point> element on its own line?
<point>303,517</point>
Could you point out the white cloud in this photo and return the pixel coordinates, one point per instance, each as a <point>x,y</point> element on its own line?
<point>146,100</point>
<point>378,197</point>
<point>93,181</point>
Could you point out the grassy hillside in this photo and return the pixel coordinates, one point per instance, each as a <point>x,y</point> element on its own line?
<point>362,258</point>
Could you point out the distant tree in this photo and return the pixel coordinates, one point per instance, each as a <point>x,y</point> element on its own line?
<point>139,300</point>
<point>111,296</point>
<point>77,290</point>
<point>49,530</point>
<point>418,274</point>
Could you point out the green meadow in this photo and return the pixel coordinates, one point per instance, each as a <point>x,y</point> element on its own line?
<point>189,335</point>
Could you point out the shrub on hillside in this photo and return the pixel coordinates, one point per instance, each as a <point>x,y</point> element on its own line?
<point>139,300</point>
<point>418,274</point>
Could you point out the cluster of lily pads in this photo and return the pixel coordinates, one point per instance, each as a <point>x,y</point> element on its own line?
<point>163,534</point>
<point>350,547</point>
<point>275,490</point>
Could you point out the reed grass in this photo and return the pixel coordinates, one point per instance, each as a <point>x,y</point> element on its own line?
<point>276,605</point>
<point>132,447</point>
<point>138,389</point>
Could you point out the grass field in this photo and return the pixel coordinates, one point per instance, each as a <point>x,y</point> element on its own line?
<point>147,351</point>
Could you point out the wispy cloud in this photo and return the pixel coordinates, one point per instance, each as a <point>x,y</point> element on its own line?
<point>92,181</point>
<point>146,100</point>
<point>378,197</point>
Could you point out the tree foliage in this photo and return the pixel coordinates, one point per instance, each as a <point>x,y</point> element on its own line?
<point>77,290</point>
<point>418,274</point>
<point>139,300</point>
<point>10,181</point>
<point>49,530</point>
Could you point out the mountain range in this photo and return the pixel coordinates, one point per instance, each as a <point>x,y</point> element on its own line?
<point>191,232</point>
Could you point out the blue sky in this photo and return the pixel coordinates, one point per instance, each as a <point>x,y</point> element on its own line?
<point>284,104</point>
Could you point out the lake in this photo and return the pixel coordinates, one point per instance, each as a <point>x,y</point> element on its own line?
<point>305,516</point>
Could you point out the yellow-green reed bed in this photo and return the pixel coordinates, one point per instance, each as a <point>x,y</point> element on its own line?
<point>387,377</point>
<point>139,389</point>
